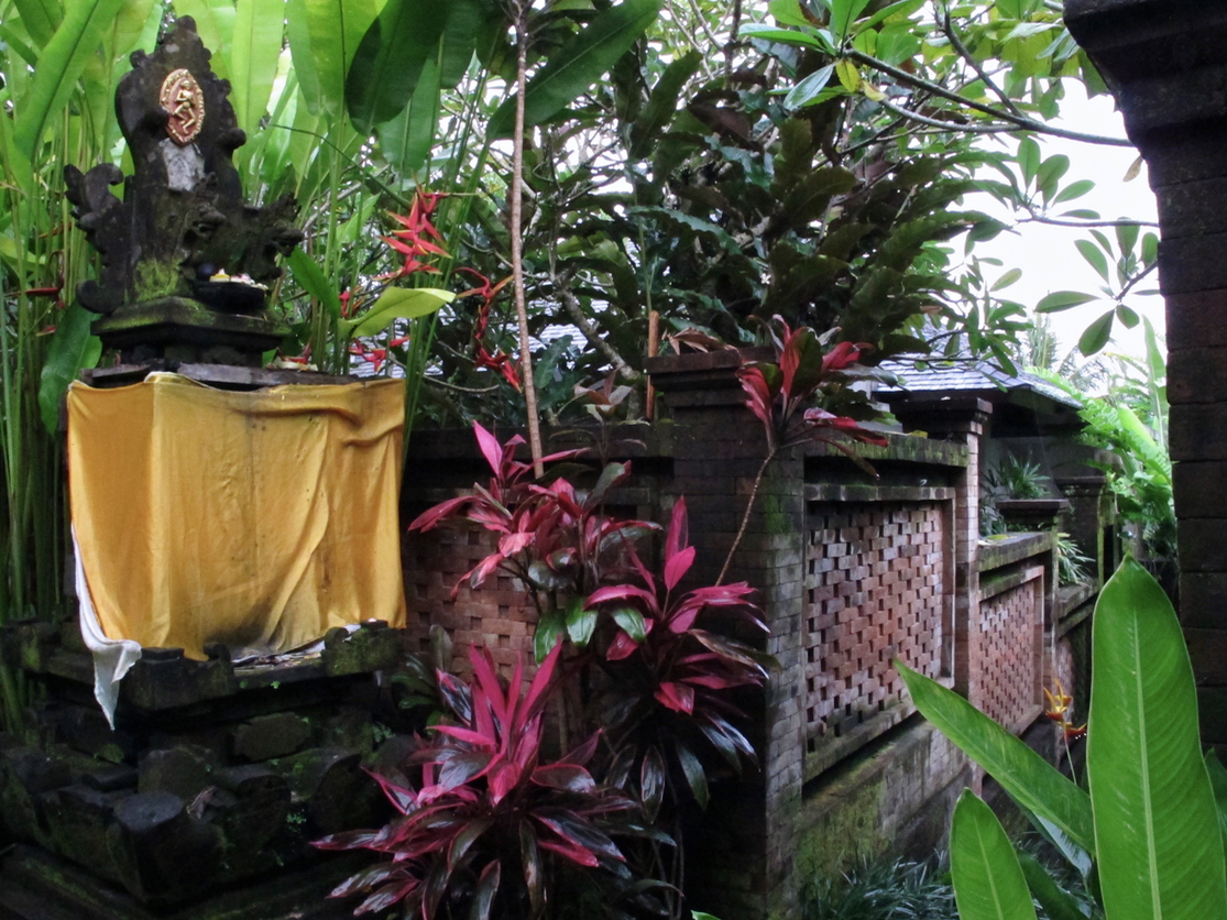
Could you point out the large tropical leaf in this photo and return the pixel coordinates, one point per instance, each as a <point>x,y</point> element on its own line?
<point>40,17</point>
<point>60,65</point>
<point>1030,779</point>
<point>1156,826</point>
<point>253,55</point>
<point>988,882</point>
<point>578,64</point>
<point>215,26</point>
<point>407,138</point>
<point>72,348</point>
<point>399,303</point>
<point>390,58</point>
<point>334,30</point>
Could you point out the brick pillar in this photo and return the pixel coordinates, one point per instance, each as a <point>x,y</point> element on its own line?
<point>1166,61</point>
<point>742,868</point>
<point>964,419</point>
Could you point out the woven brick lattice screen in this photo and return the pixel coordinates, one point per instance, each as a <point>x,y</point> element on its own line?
<point>876,589</point>
<point>498,616</point>
<point>1010,674</point>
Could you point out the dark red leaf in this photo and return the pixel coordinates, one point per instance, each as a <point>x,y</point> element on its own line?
<point>432,516</point>
<point>378,873</point>
<point>678,566</point>
<point>345,840</point>
<point>675,696</point>
<point>487,888</point>
<point>530,856</point>
<point>387,896</point>
<point>565,776</point>
<point>464,840</point>
<point>490,448</point>
<point>652,774</point>
<point>583,753</point>
<point>575,854</point>
<point>623,646</point>
<point>578,831</point>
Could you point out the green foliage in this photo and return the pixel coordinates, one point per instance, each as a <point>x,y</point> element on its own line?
<point>988,881</point>
<point>882,891</point>
<point>1131,422</point>
<point>1156,847</point>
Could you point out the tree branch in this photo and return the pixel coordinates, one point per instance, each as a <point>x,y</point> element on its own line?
<point>1025,124</point>
<point>576,311</point>
<point>1078,224</point>
<point>966,55</point>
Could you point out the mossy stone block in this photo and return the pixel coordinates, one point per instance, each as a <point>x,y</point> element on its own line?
<point>266,737</point>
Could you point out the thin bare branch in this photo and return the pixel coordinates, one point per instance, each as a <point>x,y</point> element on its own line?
<point>1026,124</point>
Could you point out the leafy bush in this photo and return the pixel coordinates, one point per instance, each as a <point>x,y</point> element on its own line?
<point>489,829</point>
<point>883,891</point>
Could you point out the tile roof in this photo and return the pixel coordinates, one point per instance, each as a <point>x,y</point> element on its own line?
<point>963,376</point>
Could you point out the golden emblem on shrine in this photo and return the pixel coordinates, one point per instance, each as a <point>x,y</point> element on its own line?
<point>184,102</point>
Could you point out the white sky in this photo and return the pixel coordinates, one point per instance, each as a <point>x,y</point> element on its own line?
<point>1046,254</point>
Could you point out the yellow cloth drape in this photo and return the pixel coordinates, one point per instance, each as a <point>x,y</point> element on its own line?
<point>259,519</point>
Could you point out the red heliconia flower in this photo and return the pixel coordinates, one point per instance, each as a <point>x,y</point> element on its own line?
<point>501,362</point>
<point>414,240</point>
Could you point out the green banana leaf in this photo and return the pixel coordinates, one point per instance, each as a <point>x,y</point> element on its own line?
<point>41,18</point>
<point>60,65</point>
<point>215,26</point>
<point>407,139</point>
<point>578,64</point>
<point>1058,903</point>
<point>1026,776</point>
<point>1218,781</point>
<point>389,63</point>
<point>1158,844</point>
<point>72,348</point>
<point>334,30</point>
<point>314,281</point>
<point>253,54</point>
<point>988,882</point>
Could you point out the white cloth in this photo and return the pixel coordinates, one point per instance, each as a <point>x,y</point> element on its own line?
<point>112,657</point>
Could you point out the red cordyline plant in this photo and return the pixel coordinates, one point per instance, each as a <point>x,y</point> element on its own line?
<point>553,537</point>
<point>658,676</point>
<point>669,676</point>
<point>781,395</point>
<point>487,829</point>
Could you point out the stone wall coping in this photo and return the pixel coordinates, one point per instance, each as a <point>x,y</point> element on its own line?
<point>1002,551</point>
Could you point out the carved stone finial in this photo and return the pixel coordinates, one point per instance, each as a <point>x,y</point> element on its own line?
<point>182,220</point>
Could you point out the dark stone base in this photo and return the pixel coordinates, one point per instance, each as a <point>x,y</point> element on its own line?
<point>180,329</point>
<point>36,886</point>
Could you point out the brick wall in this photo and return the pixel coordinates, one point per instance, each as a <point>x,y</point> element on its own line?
<point>851,573</point>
